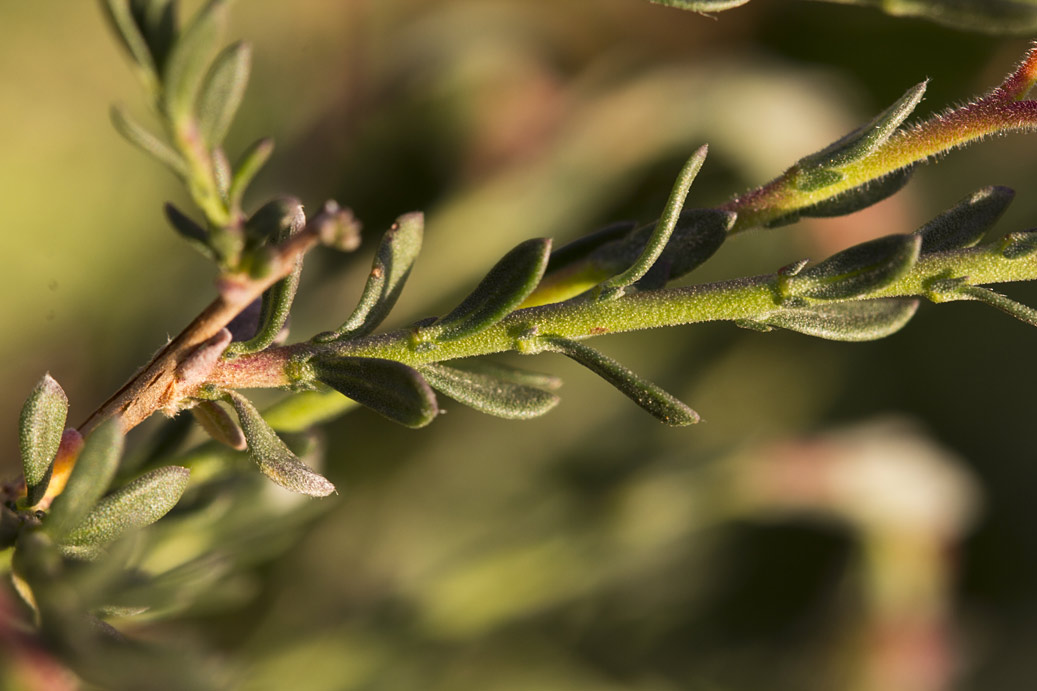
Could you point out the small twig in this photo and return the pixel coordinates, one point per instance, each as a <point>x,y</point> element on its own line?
<point>157,385</point>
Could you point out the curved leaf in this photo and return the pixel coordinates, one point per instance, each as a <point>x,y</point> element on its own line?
<point>489,394</point>
<point>274,458</point>
<point>392,265</point>
<point>503,289</point>
<point>222,91</point>
<point>389,388</point>
<point>138,504</point>
<point>39,434</point>
<point>146,141</point>
<point>89,479</point>
<point>189,60</point>
<point>653,399</point>
<point>859,320</point>
<point>860,269</point>
<point>965,224</point>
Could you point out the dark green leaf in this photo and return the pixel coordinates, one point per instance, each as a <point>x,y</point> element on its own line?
<point>1004,303</point>
<point>699,234</point>
<point>1019,244</point>
<point>146,141</point>
<point>965,224</point>
<point>138,504</point>
<point>856,198</point>
<point>39,434</point>
<point>157,22</point>
<point>219,424</point>
<point>860,269</point>
<point>489,394</point>
<point>503,289</point>
<point>642,392</point>
<point>189,60</point>
<point>867,138</point>
<point>222,91</point>
<point>508,373</point>
<point>614,287</point>
<point>584,247</point>
<point>392,265</point>
<point>89,479</point>
<point>390,388</point>
<point>859,320</point>
<point>195,235</point>
<point>251,163</point>
<point>275,222</point>
<point>274,458</point>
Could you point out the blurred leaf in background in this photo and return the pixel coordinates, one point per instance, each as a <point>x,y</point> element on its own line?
<point>591,548</point>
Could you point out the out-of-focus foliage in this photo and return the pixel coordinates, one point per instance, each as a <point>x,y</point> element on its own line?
<point>592,548</point>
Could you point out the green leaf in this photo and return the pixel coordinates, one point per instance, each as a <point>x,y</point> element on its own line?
<point>147,142</point>
<point>389,388</point>
<point>503,289</point>
<point>156,20</point>
<point>489,394</point>
<point>138,504</point>
<point>866,139</point>
<point>219,425</point>
<point>614,287</point>
<point>189,61</point>
<point>252,161</point>
<point>699,234</point>
<point>515,375</point>
<point>1004,303</point>
<point>275,222</point>
<point>858,270</point>
<point>858,320</point>
<point>121,16</point>
<point>392,265</point>
<point>856,198</point>
<point>39,434</point>
<point>222,91</point>
<point>274,458</point>
<point>300,411</point>
<point>1019,245</point>
<point>653,399</point>
<point>814,179</point>
<point>588,245</point>
<point>195,235</point>
<point>88,480</point>
<point>965,224</point>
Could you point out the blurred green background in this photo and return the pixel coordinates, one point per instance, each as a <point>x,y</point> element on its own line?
<point>846,515</point>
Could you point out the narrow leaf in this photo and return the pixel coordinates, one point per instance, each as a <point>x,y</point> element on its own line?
<point>195,235</point>
<point>156,20</point>
<point>390,388</point>
<point>656,401</point>
<point>856,198</point>
<point>965,224</point>
<point>869,137</point>
<point>121,16</point>
<point>702,6</point>
<point>252,161</point>
<point>489,394</point>
<point>219,425</point>
<point>588,245</point>
<point>699,234</point>
<point>138,504</point>
<point>189,60</point>
<point>392,265</point>
<point>1022,312</point>
<point>508,373</point>
<point>39,434</point>
<point>860,269</point>
<point>302,410</point>
<point>274,458</point>
<point>858,320</point>
<point>222,91</point>
<point>615,286</point>
<point>275,222</point>
<point>146,141</point>
<point>89,480</point>
<point>503,289</point>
